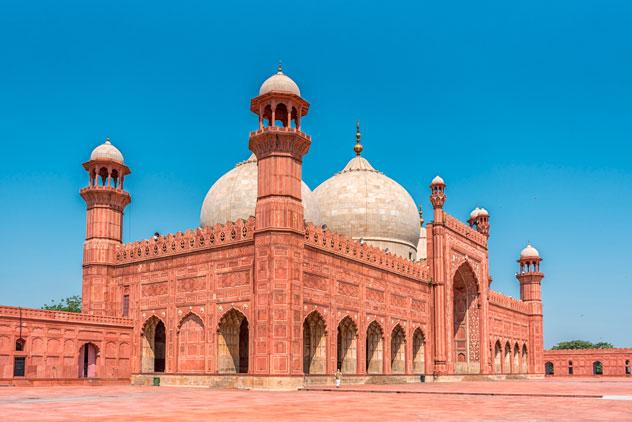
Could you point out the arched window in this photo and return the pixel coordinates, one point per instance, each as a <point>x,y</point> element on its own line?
<point>627,367</point>
<point>549,368</point>
<point>570,367</point>
<point>19,345</point>
<point>597,368</point>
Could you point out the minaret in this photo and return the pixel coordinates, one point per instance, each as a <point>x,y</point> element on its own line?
<point>530,279</point>
<point>105,199</point>
<point>279,145</point>
<point>436,235</point>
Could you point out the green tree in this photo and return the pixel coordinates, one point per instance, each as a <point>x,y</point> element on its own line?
<point>581,344</point>
<point>69,304</point>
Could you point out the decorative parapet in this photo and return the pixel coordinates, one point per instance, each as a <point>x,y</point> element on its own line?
<point>351,249</point>
<point>200,239</point>
<point>579,352</point>
<point>62,316</point>
<point>280,129</point>
<point>508,302</point>
<point>461,228</point>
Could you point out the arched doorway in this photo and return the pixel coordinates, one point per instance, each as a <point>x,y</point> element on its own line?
<point>466,321</point>
<point>597,368</point>
<point>549,368</point>
<point>525,364</point>
<point>314,344</point>
<point>154,342</point>
<point>232,343</point>
<point>418,352</point>
<point>398,350</point>
<point>347,346</point>
<point>88,361</point>
<point>498,356</point>
<point>516,359</point>
<point>191,344</point>
<point>507,361</point>
<point>374,349</point>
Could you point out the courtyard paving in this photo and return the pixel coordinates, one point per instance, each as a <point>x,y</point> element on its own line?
<point>574,399</point>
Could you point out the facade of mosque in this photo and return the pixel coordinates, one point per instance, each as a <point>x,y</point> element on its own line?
<point>281,285</point>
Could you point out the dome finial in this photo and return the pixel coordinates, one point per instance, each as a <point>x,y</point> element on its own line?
<point>358,146</point>
<point>280,67</point>
<point>107,140</point>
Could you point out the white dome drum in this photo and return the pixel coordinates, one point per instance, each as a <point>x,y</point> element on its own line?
<point>362,203</point>
<point>234,196</point>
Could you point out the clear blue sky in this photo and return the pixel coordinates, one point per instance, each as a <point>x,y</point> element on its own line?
<point>523,107</point>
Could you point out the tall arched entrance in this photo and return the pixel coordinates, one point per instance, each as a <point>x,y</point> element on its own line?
<point>466,322</point>
<point>525,364</point>
<point>419,343</point>
<point>347,346</point>
<point>507,361</point>
<point>191,344</point>
<point>516,359</point>
<point>314,344</point>
<point>88,361</point>
<point>153,343</point>
<point>232,343</point>
<point>374,349</point>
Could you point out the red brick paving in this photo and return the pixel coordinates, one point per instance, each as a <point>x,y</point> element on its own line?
<point>438,402</point>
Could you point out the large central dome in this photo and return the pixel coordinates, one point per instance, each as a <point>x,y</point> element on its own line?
<point>362,203</point>
<point>234,196</point>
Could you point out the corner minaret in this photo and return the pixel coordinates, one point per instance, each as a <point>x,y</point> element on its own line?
<point>105,200</point>
<point>437,198</point>
<point>530,279</point>
<point>279,145</point>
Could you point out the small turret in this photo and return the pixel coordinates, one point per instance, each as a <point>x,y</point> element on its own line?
<point>437,198</point>
<point>479,220</point>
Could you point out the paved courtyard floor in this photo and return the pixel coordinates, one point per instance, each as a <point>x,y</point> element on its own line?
<point>574,399</point>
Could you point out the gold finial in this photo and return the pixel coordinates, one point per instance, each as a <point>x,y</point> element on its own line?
<point>280,67</point>
<point>358,146</point>
<point>421,216</point>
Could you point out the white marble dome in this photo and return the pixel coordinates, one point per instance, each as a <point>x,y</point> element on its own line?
<point>362,203</point>
<point>438,180</point>
<point>279,82</point>
<point>234,196</point>
<point>529,252</point>
<point>107,151</point>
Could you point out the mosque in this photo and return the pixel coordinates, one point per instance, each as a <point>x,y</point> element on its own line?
<point>281,285</point>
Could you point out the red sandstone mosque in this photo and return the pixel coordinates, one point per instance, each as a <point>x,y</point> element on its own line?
<point>280,285</point>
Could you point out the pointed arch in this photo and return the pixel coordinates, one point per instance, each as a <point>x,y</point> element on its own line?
<point>191,344</point>
<point>516,359</point>
<point>498,369</point>
<point>153,345</point>
<point>398,350</point>
<point>525,364</point>
<point>314,344</point>
<point>466,328</point>
<point>419,352</point>
<point>233,343</point>
<point>347,346</point>
<point>374,348</point>
<point>507,359</point>
<point>88,354</point>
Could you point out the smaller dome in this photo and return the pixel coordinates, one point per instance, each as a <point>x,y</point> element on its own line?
<point>107,151</point>
<point>483,211</point>
<point>438,181</point>
<point>475,212</point>
<point>529,252</point>
<point>279,82</point>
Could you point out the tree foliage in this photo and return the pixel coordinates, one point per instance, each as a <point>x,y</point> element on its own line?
<point>69,304</point>
<point>582,344</point>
